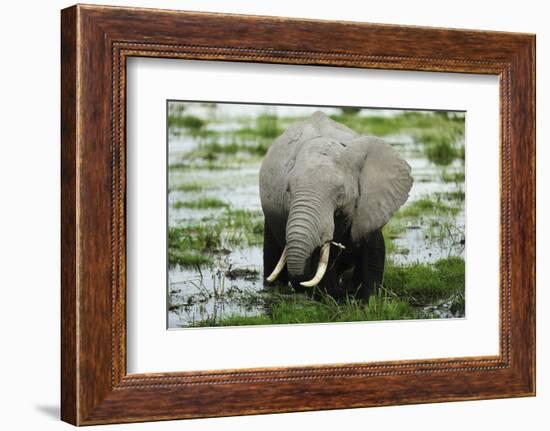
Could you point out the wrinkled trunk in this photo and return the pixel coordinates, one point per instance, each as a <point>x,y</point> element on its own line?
<point>303,234</point>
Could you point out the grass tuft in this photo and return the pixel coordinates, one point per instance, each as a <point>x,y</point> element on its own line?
<point>232,228</point>
<point>188,258</point>
<point>425,207</point>
<point>292,309</point>
<point>408,292</point>
<point>267,126</point>
<point>453,177</point>
<point>212,149</point>
<point>189,122</point>
<point>202,203</point>
<point>423,284</point>
<point>189,187</point>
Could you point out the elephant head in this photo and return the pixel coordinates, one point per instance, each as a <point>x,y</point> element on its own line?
<point>321,181</point>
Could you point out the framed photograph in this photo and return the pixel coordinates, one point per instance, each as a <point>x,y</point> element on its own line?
<point>264,214</point>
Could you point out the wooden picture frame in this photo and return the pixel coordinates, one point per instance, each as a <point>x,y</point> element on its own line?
<point>95,43</point>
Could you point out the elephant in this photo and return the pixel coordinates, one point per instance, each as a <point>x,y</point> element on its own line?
<point>326,192</point>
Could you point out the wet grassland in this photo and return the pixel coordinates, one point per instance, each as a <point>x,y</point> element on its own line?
<point>215,229</point>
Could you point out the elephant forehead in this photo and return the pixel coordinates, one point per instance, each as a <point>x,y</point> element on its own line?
<point>321,146</point>
<point>320,171</point>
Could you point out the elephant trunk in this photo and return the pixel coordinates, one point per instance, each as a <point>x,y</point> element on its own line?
<point>304,232</point>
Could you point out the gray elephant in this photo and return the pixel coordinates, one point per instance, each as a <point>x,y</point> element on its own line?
<point>323,187</point>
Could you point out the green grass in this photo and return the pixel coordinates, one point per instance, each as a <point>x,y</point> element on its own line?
<point>438,133</point>
<point>442,231</point>
<point>457,195</point>
<point>424,284</point>
<point>406,289</point>
<point>253,140</point>
<point>401,123</point>
<point>251,223</point>
<point>209,165</point>
<point>265,126</point>
<point>189,122</point>
<point>453,177</point>
<point>461,153</point>
<point>189,187</point>
<point>383,308</point>
<point>201,203</point>
<point>425,207</point>
<point>212,149</point>
<point>189,258</point>
<point>375,125</point>
<point>415,212</point>
<point>440,145</point>
<point>232,228</point>
<point>394,229</point>
<point>237,320</point>
<point>406,293</point>
<point>297,310</point>
<point>441,153</point>
<point>350,110</point>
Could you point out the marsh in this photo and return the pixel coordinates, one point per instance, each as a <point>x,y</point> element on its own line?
<point>216,223</point>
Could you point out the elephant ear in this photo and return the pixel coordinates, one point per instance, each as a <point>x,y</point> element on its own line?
<point>384,184</point>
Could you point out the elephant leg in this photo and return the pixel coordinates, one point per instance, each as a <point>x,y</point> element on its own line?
<point>329,284</point>
<point>272,253</point>
<point>370,271</point>
<point>336,284</point>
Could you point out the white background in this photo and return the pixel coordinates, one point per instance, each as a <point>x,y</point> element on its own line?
<point>151,348</point>
<point>29,220</point>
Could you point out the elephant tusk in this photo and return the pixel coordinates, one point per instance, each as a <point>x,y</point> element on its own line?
<point>337,244</point>
<point>321,269</point>
<point>279,267</point>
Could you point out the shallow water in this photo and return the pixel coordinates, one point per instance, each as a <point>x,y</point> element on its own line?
<point>195,296</point>
<point>234,284</point>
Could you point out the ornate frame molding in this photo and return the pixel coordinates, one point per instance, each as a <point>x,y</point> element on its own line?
<point>96,41</point>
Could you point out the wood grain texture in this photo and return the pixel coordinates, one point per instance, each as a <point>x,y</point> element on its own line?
<point>69,366</point>
<point>96,41</point>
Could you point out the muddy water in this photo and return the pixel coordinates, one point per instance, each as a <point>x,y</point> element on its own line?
<point>233,285</point>
<point>416,245</point>
<point>213,292</point>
